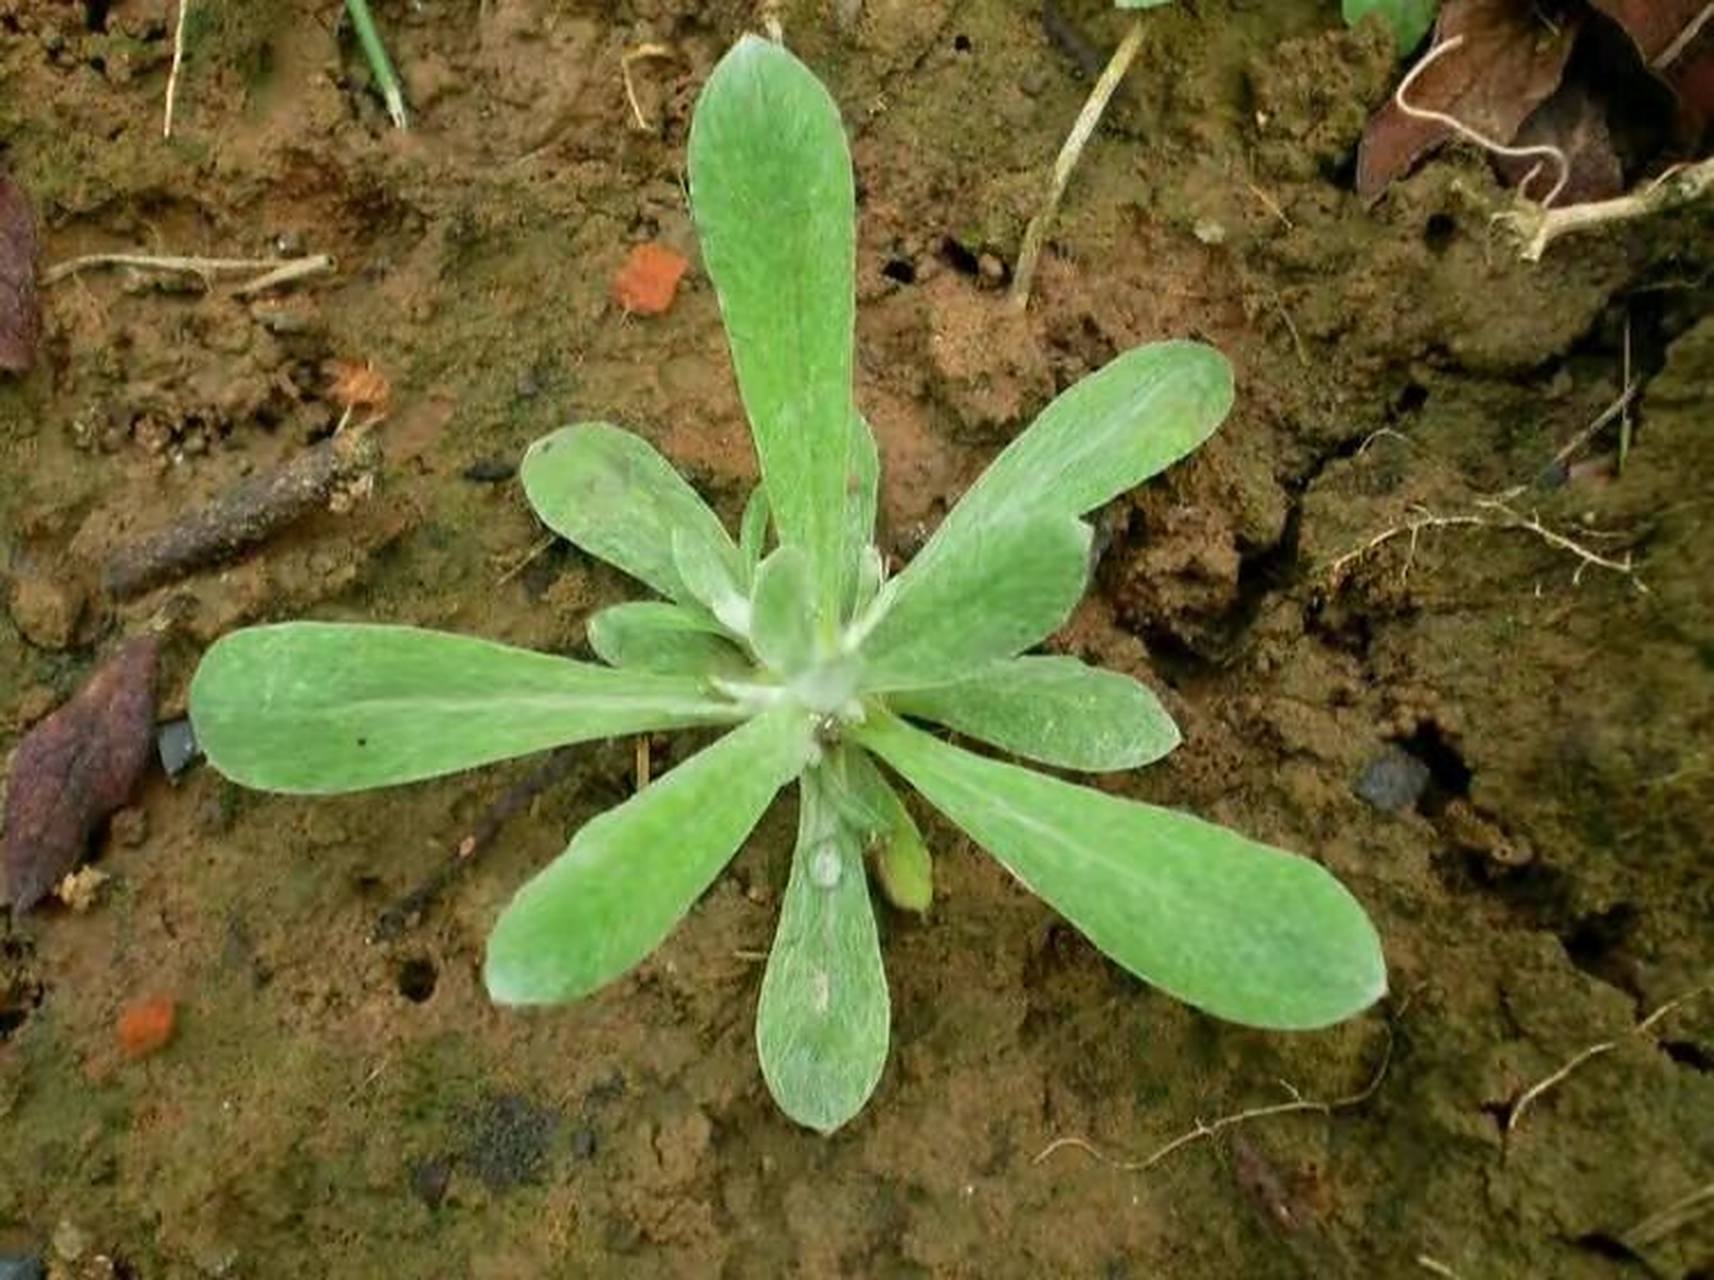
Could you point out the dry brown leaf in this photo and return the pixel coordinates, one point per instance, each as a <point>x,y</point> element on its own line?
<point>74,769</point>
<point>1509,64</point>
<point>1576,123</point>
<point>1676,39</point>
<point>20,308</point>
<point>358,384</point>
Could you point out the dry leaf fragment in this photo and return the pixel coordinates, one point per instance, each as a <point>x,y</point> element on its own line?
<point>147,1026</point>
<point>20,308</point>
<point>648,282</point>
<point>1573,121</point>
<point>73,769</point>
<point>358,384</point>
<point>1509,63</point>
<point>1676,40</point>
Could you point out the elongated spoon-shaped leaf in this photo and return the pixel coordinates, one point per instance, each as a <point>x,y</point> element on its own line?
<point>771,193</point>
<point>862,498</point>
<point>1006,590</point>
<point>318,708</point>
<point>1054,710</point>
<point>633,872</point>
<point>822,1023</point>
<point>1246,932</point>
<point>610,493</point>
<point>671,639</point>
<point>1135,416</point>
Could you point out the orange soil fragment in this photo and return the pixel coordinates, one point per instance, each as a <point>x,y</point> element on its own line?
<point>648,282</point>
<point>146,1027</point>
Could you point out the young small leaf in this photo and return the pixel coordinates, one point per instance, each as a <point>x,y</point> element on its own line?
<point>671,639</point>
<point>632,873</point>
<point>781,628</point>
<point>772,196</point>
<point>1409,20</point>
<point>822,1022</point>
<point>1053,710</point>
<point>903,867</point>
<point>1243,931</point>
<point>1005,591</point>
<point>611,494</point>
<point>1137,415</point>
<point>753,529</point>
<point>318,708</point>
<point>709,577</point>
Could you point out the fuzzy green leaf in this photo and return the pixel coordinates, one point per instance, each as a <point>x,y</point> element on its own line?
<point>1408,20</point>
<point>781,629</point>
<point>631,874</point>
<point>712,580</point>
<point>772,197</point>
<point>863,484</point>
<point>1136,416</point>
<point>1054,710</point>
<point>753,529</point>
<point>903,867</point>
<point>318,708</point>
<point>1246,932</point>
<point>822,1022</point>
<point>611,494</point>
<point>1006,590</point>
<point>671,639</point>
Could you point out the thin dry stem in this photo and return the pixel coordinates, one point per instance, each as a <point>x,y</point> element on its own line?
<point>526,560</point>
<point>1538,228</point>
<point>173,74</point>
<point>641,53</point>
<point>1531,1095</point>
<point>277,271</point>
<point>1682,40</point>
<point>642,761</point>
<point>1675,1217</point>
<point>1469,134</point>
<point>1434,1266</point>
<point>1209,1128</point>
<point>1618,408</point>
<point>1023,278</point>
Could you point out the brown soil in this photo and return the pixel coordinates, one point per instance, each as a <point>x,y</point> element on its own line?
<point>333,1106</point>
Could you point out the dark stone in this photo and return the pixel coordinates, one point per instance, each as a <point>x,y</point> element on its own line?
<point>583,1143</point>
<point>175,743</point>
<point>1393,781</point>
<point>489,471</point>
<point>429,1181</point>
<point>15,1266</point>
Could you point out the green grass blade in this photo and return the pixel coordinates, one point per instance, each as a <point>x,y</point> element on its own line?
<point>942,618</point>
<point>1054,710</point>
<point>668,639</point>
<point>898,854</point>
<point>781,629</point>
<point>1243,931</point>
<point>823,1020</point>
<point>771,193</point>
<point>631,874</point>
<point>1107,433</point>
<point>317,708</point>
<point>611,494</point>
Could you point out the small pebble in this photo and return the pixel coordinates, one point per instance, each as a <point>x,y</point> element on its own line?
<point>1393,781</point>
<point>71,1241</point>
<point>583,1143</point>
<point>130,827</point>
<point>1209,231</point>
<point>430,1179</point>
<point>176,745</point>
<point>14,1266</point>
<point>489,471</point>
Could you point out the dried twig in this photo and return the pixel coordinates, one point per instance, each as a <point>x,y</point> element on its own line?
<point>248,514</point>
<point>277,270</point>
<point>1537,228</point>
<point>173,75</point>
<point>1209,1128</point>
<point>1469,134</point>
<point>1530,1095</point>
<point>1617,409</point>
<point>1675,1217</point>
<point>527,559</point>
<point>1036,233</point>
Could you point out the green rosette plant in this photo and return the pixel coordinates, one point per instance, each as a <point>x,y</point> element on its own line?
<point>822,667</point>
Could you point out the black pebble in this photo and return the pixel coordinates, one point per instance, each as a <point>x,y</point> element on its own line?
<point>489,471</point>
<point>1393,781</point>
